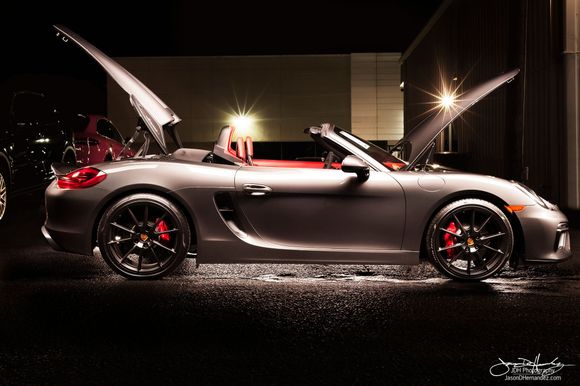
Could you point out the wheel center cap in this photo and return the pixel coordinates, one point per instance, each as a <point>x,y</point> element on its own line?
<point>470,242</point>
<point>144,237</point>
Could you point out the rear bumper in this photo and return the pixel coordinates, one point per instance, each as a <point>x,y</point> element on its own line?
<point>50,240</point>
<point>70,215</point>
<point>546,235</point>
<point>67,241</point>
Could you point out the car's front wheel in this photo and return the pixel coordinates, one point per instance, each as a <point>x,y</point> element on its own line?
<point>469,240</point>
<point>143,236</point>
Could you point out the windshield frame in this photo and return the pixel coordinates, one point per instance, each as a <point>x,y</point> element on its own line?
<point>325,134</point>
<point>364,146</point>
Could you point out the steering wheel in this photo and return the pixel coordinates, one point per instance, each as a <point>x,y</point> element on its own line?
<point>328,160</point>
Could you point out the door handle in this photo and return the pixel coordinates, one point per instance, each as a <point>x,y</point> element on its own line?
<point>256,190</point>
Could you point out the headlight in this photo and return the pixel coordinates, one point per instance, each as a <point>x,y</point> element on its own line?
<point>539,200</point>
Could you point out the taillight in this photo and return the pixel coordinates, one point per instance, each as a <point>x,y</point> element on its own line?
<point>81,178</point>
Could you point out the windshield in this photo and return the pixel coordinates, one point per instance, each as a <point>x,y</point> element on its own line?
<point>379,154</point>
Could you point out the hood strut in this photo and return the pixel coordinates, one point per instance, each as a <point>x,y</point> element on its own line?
<point>144,149</point>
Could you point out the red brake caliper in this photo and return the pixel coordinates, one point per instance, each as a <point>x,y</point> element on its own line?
<point>161,226</point>
<point>450,239</point>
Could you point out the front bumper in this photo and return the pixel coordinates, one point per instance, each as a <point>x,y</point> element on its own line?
<point>546,235</point>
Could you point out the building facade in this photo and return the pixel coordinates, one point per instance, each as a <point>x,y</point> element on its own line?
<point>527,131</point>
<point>282,95</point>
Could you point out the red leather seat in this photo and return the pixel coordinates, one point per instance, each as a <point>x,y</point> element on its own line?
<point>241,149</point>
<point>249,150</point>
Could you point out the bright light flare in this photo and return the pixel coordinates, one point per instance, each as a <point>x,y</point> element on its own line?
<point>242,122</point>
<point>446,101</point>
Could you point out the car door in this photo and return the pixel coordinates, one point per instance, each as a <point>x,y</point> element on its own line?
<point>322,208</point>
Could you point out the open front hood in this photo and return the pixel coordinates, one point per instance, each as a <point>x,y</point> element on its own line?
<point>154,113</point>
<point>422,135</point>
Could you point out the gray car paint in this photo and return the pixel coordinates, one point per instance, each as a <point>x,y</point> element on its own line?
<point>306,215</point>
<point>307,208</point>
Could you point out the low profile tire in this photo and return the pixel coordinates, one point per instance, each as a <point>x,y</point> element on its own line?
<point>3,192</point>
<point>469,240</point>
<point>143,236</point>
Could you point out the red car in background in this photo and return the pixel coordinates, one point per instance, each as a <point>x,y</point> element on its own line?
<point>96,139</point>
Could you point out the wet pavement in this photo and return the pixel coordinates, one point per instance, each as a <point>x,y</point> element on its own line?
<point>66,319</point>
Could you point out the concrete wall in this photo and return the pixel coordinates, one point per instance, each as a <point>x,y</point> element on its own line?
<point>376,98</point>
<point>572,70</point>
<point>519,131</point>
<point>285,94</point>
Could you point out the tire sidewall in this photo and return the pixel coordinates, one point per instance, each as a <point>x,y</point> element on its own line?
<point>152,199</point>
<point>430,239</point>
<point>6,177</point>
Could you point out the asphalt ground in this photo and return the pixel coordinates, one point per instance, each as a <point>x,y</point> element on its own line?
<point>67,319</point>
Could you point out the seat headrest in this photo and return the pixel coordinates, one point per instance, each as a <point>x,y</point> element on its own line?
<point>223,148</point>
<point>241,149</point>
<point>249,146</point>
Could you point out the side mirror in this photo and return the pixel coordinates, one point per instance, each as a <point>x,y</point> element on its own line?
<point>352,164</point>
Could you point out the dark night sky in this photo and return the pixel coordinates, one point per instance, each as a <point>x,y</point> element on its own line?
<point>185,28</point>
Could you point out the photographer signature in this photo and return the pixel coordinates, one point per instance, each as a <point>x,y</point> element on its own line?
<point>532,367</point>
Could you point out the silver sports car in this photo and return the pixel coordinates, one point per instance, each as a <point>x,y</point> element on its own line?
<point>358,205</point>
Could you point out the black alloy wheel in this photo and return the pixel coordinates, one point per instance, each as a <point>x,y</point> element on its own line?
<point>143,236</point>
<point>3,193</point>
<point>470,240</point>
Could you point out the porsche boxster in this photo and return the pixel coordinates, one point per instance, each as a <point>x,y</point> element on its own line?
<point>358,205</point>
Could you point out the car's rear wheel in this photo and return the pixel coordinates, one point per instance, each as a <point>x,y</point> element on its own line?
<point>3,192</point>
<point>143,236</point>
<point>470,240</point>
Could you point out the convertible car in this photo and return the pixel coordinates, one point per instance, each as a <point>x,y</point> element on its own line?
<point>359,205</point>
